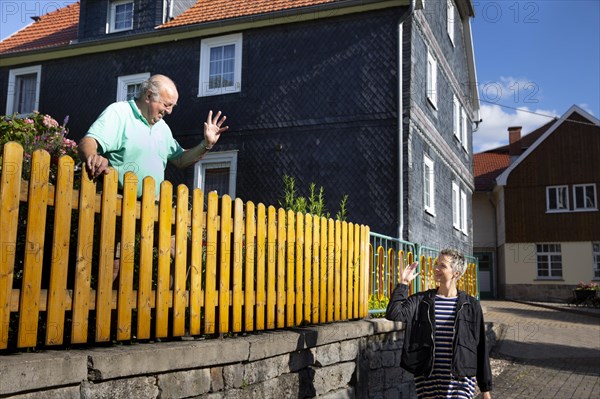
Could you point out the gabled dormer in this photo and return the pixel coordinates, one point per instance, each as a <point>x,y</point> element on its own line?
<point>100,19</point>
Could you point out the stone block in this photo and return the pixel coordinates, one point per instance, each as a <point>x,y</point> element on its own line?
<point>348,350</point>
<point>326,355</point>
<point>333,377</point>
<point>392,377</point>
<point>33,371</point>
<point>124,361</point>
<point>374,360</point>
<point>233,376</point>
<point>58,393</point>
<point>184,384</point>
<point>216,379</point>
<point>388,358</point>
<point>140,387</point>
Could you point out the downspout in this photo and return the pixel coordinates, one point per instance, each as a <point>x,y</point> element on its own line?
<point>404,17</point>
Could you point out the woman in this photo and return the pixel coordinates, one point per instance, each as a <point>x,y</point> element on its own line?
<point>444,343</point>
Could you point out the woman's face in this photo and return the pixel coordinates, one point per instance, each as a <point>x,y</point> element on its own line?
<point>442,269</point>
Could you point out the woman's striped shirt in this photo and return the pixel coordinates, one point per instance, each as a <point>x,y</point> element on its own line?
<point>441,384</point>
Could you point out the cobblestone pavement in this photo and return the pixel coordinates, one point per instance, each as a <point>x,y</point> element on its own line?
<point>544,351</point>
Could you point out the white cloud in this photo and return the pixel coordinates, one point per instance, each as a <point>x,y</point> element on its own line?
<point>508,89</point>
<point>493,131</point>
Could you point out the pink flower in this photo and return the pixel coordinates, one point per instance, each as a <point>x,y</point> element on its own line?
<point>28,121</point>
<point>49,121</point>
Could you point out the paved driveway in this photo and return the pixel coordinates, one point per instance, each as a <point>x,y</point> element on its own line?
<point>544,352</point>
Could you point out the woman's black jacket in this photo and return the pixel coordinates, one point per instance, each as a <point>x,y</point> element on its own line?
<point>470,355</point>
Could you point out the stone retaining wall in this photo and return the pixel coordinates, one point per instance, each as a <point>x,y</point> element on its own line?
<point>359,359</point>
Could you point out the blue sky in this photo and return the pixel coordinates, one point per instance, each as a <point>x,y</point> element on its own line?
<point>539,56</point>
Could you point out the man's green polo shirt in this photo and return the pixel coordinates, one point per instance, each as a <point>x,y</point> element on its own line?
<point>130,143</point>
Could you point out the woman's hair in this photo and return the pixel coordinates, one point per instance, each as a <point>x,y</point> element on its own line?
<point>457,260</point>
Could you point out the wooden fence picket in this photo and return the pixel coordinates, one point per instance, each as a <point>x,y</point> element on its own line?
<point>34,249</point>
<point>323,271</point>
<point>210,291</point>
<point>299,273</point>
<point>280,280</point>
<point>249,261</point>
<point>145,299</point>
<point>271,266</point>
<point>261,259</point>
<point>61,240</point>
<point>237,265</point>
<point>196,262</point>
<point>308,240</point>
<point>290,270</point>
<point>224,273</point>
<point>163,280</point>
<point>179,275</point>
<point>12,166</point>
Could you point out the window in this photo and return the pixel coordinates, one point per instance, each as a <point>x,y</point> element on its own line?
<point>557,199</point>
<point>120,16</point>
<point>23,94</point>
<point>456,113</point>
<point>432,80</point>
<point>596,259</point>
<point>429,186</point>
<point>455,206</point>
<point>584,197</point>
<point>128,86</point>
<point>220,65</point>
<point>217,172</point>
<point>463,129</point>
<point>450,20</point>
<point>549,261</point>
<point>463,212</point>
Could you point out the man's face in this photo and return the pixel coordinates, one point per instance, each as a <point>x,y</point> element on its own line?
<point>157,109</point>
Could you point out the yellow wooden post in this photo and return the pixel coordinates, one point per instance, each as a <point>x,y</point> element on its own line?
<point>315,269</point>
<point>63,204</point>
<point>337,270</point>
<point>356,271</point>
<point>299,267</point>
<point>281,244</point>
<point>330,266</point>
<point>196,299</point>
<point>164,259</point>
<point>12,161</point>
<point>37,199</point>
<point>290,247</point>
<point>179,278</point>
<point>83,266</point>
<point>210,293</point>
<point>323,272</point>
<point>344,274</point>
<point>224,267</point>
<point>238,251</point>
<point>107,256</point>
<point>350,277</point>
<point>125,298</point>
<point>308,223</point>
<point>261,258</point>
<point>249,290</point>
<point>144,294</point>
<point>271,263</point>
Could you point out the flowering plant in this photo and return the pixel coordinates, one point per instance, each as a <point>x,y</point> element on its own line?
<point>588,286</point>
<point>38,131</point>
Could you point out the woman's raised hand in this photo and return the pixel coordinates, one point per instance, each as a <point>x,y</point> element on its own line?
<point>408,274</point>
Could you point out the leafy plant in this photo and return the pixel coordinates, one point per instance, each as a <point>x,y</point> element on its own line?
<point>588,286</point>
<point>315,204</point>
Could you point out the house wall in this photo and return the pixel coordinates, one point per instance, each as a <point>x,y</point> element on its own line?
<point>521,281</point>
<point>566,157</point>
<point>431,131</point>
<point>484,220</point>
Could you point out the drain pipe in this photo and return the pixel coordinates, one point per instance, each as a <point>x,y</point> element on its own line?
<point>404,17</point>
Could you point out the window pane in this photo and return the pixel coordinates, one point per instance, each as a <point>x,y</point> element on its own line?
<point>25,93</point>
<point>217,179</point>
<point>124,16</point>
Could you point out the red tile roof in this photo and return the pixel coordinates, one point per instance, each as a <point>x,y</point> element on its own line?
<point>486,167</point>
<point>56,28</point>
<point>214,10</point>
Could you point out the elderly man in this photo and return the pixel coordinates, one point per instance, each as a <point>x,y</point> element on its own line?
<point>132,136</point>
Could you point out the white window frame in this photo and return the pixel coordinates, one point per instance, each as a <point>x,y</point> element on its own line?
<point>596,260</point>
<point>217,160</point>
<point>464,133</point>
<point>456,117</point>
<point>548,195</point>
<point>112,11</point>
<point>456,206</point>
<point>431,79</point>
<point>594,206</point>
<point>205,47</point>
<point>450,16</point>
<point>546,254</point>
<point>463,213</point>
<point>124,81</point>
<point>429,185</point>
<point>12,84</point>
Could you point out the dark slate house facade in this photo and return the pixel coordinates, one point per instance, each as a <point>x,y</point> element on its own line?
<point>311,89</point>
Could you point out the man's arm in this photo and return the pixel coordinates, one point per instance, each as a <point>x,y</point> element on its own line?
<point>95,164</point>
<point>212,131</point>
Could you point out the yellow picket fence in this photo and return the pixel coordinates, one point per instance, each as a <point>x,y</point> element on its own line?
<point>237,267</point>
